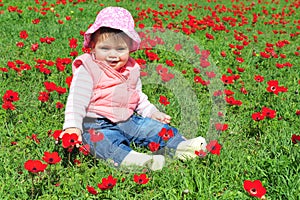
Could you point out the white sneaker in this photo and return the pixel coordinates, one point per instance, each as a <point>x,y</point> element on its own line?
<point>158,162</point>
<point>155,162</point>
<point>186,149</point>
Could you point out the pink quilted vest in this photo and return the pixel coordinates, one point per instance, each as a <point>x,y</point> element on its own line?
<point>114,94</point>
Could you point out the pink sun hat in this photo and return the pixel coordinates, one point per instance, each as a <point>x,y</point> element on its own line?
<point>116,18</point>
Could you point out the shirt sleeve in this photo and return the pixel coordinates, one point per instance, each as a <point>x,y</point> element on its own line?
<point>144,108</point>
<point>78,99</point>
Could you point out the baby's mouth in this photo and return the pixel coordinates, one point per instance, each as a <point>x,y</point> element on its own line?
<point>113,63</point>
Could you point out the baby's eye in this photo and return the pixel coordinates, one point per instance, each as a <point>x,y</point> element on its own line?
<point>104,48</point>
<point>121,49</point>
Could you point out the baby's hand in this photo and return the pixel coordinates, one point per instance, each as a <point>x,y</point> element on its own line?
<point>162,117</point>
<point>77,131</point>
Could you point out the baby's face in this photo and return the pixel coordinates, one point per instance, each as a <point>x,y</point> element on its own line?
<point>112,52</point>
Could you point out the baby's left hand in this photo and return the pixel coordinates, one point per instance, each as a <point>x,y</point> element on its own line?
<point>162,117</point>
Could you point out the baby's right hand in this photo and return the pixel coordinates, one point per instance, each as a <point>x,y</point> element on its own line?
<point>77,131</point>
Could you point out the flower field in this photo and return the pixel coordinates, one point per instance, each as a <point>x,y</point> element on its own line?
<point>225,70</point>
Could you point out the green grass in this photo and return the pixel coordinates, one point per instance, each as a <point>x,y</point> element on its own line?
<point>250,150</point>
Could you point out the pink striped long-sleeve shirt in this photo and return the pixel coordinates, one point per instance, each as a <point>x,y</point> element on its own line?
<point>82,92</point>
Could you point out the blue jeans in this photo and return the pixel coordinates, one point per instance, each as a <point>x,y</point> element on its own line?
<point>118,136</point>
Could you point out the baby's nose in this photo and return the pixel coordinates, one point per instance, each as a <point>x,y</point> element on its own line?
<point>113,54</point>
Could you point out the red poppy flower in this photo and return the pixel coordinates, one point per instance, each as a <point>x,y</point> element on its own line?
<point>91,190</point>
<point>77,162</point>
<point>198,79</point>
<point>161,70</point>
<point>218,93</point>
<point>297,112</point>
<point>85,50</point>
<point>274,87</point>
<point>141,26</point>
<point>7,105</point>
<point>60,66</point>
<point>11,96</point>
<point>47,40</point>
<point>178,47</point>
<point>278,65</point>
<point>141,61</point>
<point>280,43</point>
<point>214,147</point>
<point>151,55</point>
<point>205,54</point>
<point>73,43</point>
<point>142,74</point>
<point>163,100</point>
<point>50,86</point>
<point>69,140</point>
<point>85,149</point>
<point>56,134</point>
<point>223,53</point>
<point>240,69</point>
<point>209,36</point>
<point>20,44</point>
<point>204,63</point>
<point>12,8</point>
<point>265,55</point>
<point>210,74</point>
<point>258,78</point>
<point>140,179</point>
<point>61,90</point>
<point>36,21</point>
<point>220,114</point>
<point>107,183</point>
<point>34,138</point>
<point>240,59</point>
<point>153,146</point>
<point>288,64</point>
<point>239,47</point>
<point>43,97</point>
<point>95,136</point>
<point>34,166</point>
<point>167,77</point>
<point>258,116</point>
<point>59,105</point>
<point>255,188</point>
<point>34,47</point>
<point>74,53</point>
<point>69,80</point>
<point>166,134</point>
<point>232,101</point>
<point>268,112</point>
<point>170,63</point>
<point>227,79</point>
<point>204,83</point>
<point>197,49</point>
<point>200,153</point>
<point>243,90</point>
<point>23,35</point>
<point>295,138</point>
<point>196,70</point>
<point>228,92</point>
<point>221,127</point>
<point>51,158</point>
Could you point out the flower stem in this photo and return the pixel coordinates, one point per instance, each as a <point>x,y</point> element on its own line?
<point>32,188</point>
<point>69,158</point>
<point>95,153</point>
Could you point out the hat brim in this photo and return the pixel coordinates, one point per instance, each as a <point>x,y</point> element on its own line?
<point>131,34</point>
